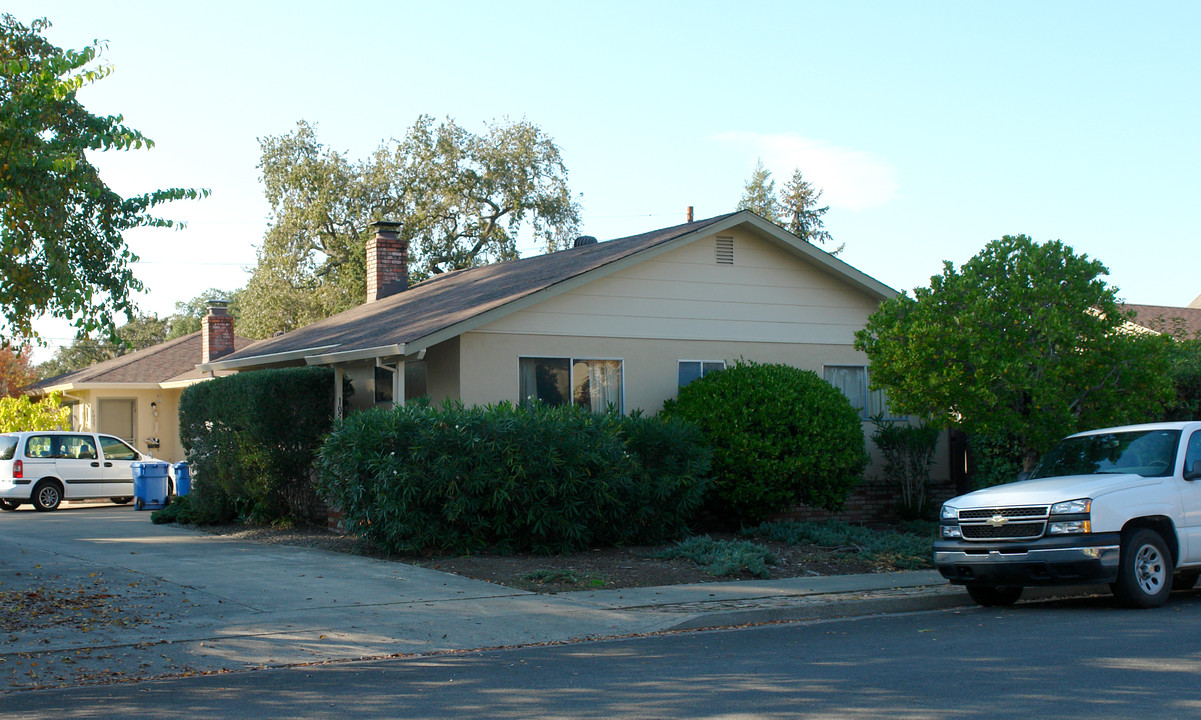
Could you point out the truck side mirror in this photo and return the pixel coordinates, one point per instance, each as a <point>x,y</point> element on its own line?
<point>1193,472</point>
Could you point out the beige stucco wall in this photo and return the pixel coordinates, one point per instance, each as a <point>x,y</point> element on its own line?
<point>769,306</point>
<point>160,420</point>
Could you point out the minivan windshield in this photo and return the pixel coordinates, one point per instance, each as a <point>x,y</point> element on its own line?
<point>1150,453</point>
<point>8,446</point>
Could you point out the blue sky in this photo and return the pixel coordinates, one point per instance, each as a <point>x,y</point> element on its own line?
<point>932,127</point>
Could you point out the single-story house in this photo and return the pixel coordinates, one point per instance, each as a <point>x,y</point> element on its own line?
<point>1180,322</point>
<point>620,323</point>
<point>136,396</point>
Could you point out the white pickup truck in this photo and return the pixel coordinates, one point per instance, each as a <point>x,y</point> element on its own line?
<point>1119,505</point>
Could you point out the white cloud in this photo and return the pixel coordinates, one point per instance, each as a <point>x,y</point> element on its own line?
<point>850,179</point>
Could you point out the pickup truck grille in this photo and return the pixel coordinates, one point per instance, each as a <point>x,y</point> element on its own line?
<point>1009,512</point>
<point>1009,523</point>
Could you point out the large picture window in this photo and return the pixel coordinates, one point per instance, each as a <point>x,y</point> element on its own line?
<point>852,380</point>
<point>594,384</point>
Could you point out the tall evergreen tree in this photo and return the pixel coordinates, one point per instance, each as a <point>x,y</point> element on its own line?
<point>759,195</point>
<point>802,216</point>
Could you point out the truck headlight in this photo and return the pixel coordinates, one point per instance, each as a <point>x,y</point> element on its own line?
<point>1072,507</point>
<point>950,513</point>
<point>1069,527</point>
<point>951,531</point>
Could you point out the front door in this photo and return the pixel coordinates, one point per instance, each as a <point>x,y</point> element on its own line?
<point>119,418</point>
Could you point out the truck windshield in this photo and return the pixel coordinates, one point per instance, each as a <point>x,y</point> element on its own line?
<point>1150,453</point>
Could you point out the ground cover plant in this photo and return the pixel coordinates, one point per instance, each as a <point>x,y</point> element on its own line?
<point>909,549</point>
<point>723,558</point>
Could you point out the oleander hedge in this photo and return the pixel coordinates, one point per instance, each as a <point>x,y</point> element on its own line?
<point>510,478</point>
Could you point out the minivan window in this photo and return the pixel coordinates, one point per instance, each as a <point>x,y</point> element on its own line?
<point>114,449</point>
<point>8,446</point>
<point>39,446</point>
<point>78,447</point>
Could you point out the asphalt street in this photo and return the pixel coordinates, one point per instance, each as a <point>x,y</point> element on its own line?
<point>1080,658</point>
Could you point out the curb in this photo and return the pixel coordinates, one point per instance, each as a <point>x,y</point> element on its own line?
<point>835,605</point>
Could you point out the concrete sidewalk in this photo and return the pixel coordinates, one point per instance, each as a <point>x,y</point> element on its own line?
<point>98,593</point>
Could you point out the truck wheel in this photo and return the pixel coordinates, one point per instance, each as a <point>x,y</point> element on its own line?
<point>995,595</point>
<point>1145,570</point>
<point>7,504</point>
<point>46,495</point>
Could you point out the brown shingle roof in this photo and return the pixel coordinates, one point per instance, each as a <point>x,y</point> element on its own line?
<point>171,360</point>
<point>1176,321</point>
<point>444,300</point>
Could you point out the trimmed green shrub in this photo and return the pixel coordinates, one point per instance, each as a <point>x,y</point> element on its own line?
<point>903,550</point>
<point>539,478</point>
<point>723,558</point>
<point>780,436</point>
<point>907,452</point>
<point>995,460</point>
<point>251,439</point>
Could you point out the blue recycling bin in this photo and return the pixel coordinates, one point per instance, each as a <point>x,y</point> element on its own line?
<point>149,484</point>
<point>183,478</point>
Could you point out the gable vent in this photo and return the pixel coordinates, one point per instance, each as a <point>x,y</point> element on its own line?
<point>725,250</point>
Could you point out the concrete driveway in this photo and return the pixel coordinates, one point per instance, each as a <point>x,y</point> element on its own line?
<point>96,593</point>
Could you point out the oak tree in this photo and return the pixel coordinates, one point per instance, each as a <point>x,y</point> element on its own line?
<point>461,200</point>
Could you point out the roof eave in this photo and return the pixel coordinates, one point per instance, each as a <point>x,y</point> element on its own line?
<point>254,361</point>
<point>337,358</point>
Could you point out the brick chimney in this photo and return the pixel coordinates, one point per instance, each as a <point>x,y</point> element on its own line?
<point>216,332</point>
<point>387,262</point>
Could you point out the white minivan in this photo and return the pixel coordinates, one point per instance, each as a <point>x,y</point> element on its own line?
<point>45,467</point>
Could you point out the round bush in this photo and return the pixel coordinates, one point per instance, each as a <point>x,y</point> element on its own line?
<point>780,436</point>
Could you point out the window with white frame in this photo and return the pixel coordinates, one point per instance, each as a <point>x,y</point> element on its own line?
<point>853,380</point>
<point>696,369</point>
<point>593,384</point>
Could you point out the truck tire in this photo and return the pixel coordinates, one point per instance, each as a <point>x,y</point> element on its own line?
<point>995,595</point>
<point>47,495</point>
<point>1144,571</point>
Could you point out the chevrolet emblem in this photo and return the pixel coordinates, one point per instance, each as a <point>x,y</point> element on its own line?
<point>997,521</point>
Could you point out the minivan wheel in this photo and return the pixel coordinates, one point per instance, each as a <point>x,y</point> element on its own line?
<point>6,504</point>
<point>1144,571</point>
<point>121,500</point>
<point>47,495</point>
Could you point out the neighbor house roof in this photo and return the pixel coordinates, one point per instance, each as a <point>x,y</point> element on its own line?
<point>173,361</point>
<point>450,304</point>
<point>1176,321</point>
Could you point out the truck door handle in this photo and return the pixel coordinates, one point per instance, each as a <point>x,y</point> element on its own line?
<point>95,464</point>
<point>108,464</point>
